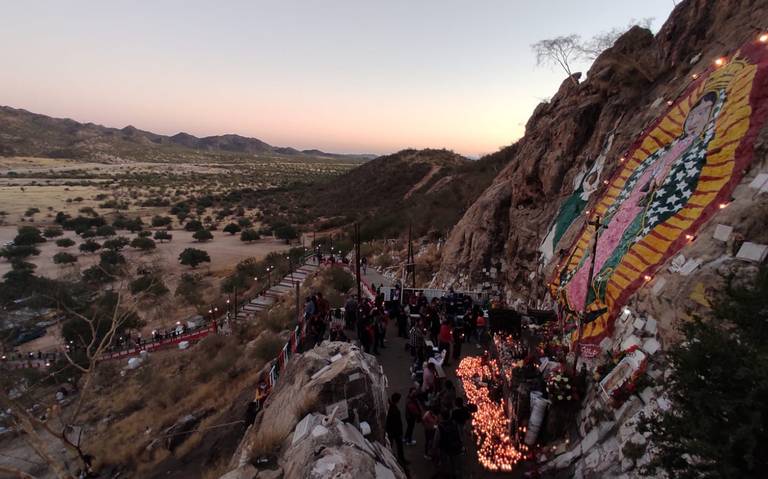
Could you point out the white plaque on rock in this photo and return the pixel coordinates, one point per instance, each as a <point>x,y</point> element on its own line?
<point>752,252</point>
<point>342,413</point>
<point>651,345</point>
<point>651,325</point>
<point>689,266</point>
<point>629,342</point>
<point>722,232</point>
<point>639,323</point>
<point>760,183</point>
<point>301,428</point>
<point>677,263</point>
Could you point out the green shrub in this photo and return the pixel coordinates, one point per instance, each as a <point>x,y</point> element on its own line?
<point>144,244</point>
<point>193,257</point>
<point>90,246</point>
<point>718,385</point>
<point>232,228</point>
<point>64,242</point>
<point>202,235</point>
<point>64,258</point>
<point>52,232</point>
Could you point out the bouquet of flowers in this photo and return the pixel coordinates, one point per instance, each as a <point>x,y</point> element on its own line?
<point>559,388</point>
<point>612,359</point>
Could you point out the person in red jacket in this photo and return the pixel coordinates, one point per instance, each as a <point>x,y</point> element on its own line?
<point>480,324</point>
<point>444,340</point>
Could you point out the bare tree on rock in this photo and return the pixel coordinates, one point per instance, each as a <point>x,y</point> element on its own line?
<point>559,51</point>
<point>601,42</point>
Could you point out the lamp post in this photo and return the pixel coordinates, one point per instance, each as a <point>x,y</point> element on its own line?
<point>290,265</point>
<point>269,276</point>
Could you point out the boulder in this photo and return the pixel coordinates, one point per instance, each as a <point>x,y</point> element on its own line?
<point>246,471</point>
<point>334,449</point>
<point>335,380</point>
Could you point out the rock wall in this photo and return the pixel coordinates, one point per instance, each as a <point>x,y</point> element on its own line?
<point>626,90</point>
<point>310,425</point>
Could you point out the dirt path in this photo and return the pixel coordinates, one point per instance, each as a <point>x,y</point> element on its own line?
<point>422,182</point>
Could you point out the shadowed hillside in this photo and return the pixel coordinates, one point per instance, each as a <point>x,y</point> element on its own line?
<point>429,188</point>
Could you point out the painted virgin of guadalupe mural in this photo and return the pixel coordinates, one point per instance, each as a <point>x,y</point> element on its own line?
<point>672,182</point>
<point>584,184</point>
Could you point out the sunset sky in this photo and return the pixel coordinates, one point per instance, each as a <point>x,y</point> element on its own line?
<point>343,76</point>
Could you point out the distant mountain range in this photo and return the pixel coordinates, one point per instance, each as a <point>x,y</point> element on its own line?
<point>23,133</point>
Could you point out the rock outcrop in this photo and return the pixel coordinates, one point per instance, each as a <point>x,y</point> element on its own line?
<point>581,138</point>
<point>310,426</point>
<point>626,89</point>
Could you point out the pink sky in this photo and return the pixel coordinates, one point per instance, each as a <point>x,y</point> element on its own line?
<point>342,76</point>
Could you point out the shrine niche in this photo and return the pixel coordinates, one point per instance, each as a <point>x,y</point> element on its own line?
<point>673,179</point>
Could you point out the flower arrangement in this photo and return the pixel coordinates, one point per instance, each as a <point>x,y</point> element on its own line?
<point>611,360</point>
<point>560,388</point>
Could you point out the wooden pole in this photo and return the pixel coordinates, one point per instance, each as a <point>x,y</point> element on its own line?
<point>582,315</point>
<point>357,262</point>
<point>411,260</point>
<point>298,304</point>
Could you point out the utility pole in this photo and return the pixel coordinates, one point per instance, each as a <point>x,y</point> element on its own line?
<point>583,313</point>
<point>357,262</point>
<point>411,261</point>
<point>234,315</point>
<point>298,304</point>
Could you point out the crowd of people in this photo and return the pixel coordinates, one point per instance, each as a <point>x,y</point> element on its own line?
<point>433,332</point>
<point>437,329</point>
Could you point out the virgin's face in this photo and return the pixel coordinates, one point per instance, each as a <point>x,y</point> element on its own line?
<point>697,118</point>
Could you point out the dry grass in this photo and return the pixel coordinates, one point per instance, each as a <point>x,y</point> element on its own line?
<point>157,395</point>
<point>209,376</point>
<point>278,422</point>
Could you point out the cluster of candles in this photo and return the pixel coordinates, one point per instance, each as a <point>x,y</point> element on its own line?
<point>495,450</point>
<point>509,352</point>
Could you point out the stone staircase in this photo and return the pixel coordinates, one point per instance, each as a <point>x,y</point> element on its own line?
<point>286,286</point>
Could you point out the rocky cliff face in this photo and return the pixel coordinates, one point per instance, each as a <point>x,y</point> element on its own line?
<point>325,419</point>
<point>682,201</point>
<point>626,89</point>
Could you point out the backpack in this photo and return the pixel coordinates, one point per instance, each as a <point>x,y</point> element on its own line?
<point>450,438</point>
